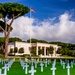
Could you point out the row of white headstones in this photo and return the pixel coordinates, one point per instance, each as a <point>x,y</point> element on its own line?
<point>7,64</point>
<point>46,62</point>
<point>3,61</point>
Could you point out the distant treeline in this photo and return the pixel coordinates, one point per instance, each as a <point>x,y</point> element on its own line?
<point>33,40</point>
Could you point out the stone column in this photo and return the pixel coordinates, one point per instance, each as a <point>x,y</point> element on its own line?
<point>41,50</point>
<point>36,50</point>
<point>47,51</point>
<point>54,51</point>
<point>44,51</point>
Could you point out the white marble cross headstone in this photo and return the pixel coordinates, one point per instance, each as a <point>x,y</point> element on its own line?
<point>23,65</point>
<point>68,69</point>
<point>2,62</point>
<point>71,64</point>
<point>6,67</point>
<point>49,61</point>
<point>63,64</point>
<point>26,68</point>
<point>54,62</point>
<point>45,63</point>
<point>53,70</point>
<point>32,71</point>
<point>36,64</point>
<point>0,71</point>
<point>40,60</point>
<point>32,60</point>
<point>73,61</point>
<point>5,71</point>
<point>41,64</point>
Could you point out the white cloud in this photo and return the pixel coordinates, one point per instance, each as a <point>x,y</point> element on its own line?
<point>63,31</point>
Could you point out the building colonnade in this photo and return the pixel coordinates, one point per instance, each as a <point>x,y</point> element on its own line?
<point>44,47</point>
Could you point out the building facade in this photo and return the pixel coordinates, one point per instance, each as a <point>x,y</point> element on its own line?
<point>44,47</point>
<point>38,46</point>
<point>19,45</point>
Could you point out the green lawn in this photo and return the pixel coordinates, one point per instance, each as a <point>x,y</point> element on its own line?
<point>16,69</point>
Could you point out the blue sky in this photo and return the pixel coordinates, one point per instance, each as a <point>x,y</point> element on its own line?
<point>47,8</point>
<point>54,20</point>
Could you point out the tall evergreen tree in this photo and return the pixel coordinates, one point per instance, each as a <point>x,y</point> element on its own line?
<point>10,11</point>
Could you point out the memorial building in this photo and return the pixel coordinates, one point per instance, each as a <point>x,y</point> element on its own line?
<point>38,46</point>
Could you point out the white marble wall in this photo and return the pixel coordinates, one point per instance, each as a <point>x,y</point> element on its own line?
<point>20,45</point>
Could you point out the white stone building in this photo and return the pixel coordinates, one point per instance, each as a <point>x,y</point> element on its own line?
<point>19,45</point>
<point>38,46</point>
<point>44,47</point>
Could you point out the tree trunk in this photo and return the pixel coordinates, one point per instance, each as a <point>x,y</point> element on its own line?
<point>6,37</point>
<point>6,46</point>
<point>7,34</point>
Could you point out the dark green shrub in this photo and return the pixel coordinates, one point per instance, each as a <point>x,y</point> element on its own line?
<point>15,49</point>
<point>21,50</point>
<point>11,50</point>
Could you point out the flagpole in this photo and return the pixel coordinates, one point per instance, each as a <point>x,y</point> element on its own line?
<point>31,10</point>
<point>30,25</point>
<point>30,30</point>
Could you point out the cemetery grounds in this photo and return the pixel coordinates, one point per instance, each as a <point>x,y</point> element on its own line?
<point>16,68</point>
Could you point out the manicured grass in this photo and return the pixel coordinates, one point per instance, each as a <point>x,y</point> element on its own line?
<point>16,69</point>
